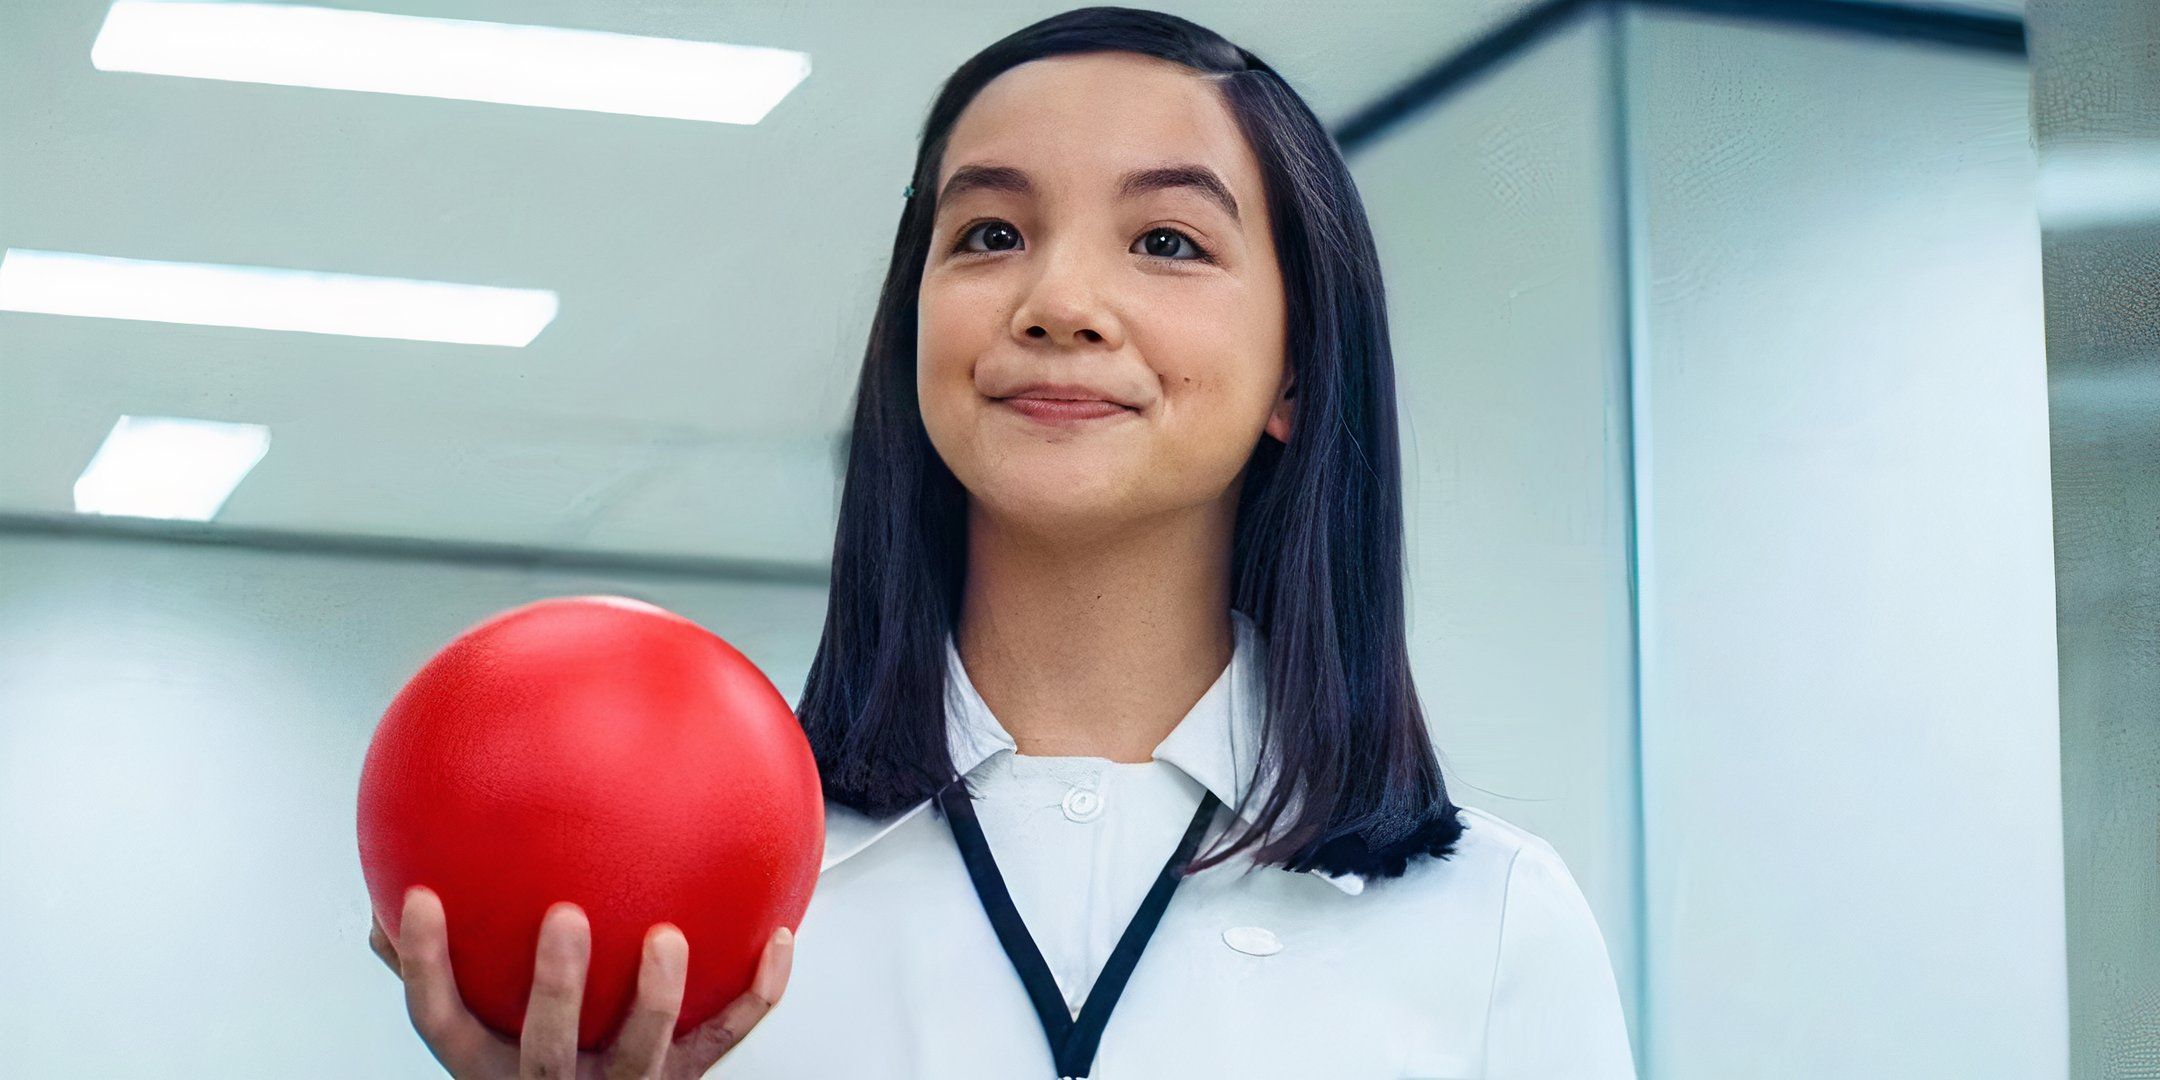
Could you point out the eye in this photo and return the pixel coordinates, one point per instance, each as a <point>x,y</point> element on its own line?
<point>1002,227</point>
<point>1200,253</point>
<point>1169,241</point>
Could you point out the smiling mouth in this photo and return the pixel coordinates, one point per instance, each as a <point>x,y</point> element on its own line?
<point>1065,412</point>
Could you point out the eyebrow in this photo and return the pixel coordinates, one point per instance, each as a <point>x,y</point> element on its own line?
<point>1197,178</point>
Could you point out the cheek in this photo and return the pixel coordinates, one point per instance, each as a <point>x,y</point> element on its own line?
<point>946,341</point>
<point>1221,396</point>
<point>939,329</point>
<point>1211,422</point>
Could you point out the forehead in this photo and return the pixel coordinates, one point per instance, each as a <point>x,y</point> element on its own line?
<point>1086,118</point>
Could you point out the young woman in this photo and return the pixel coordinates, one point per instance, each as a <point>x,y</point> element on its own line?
<point>1125,772</point>
<point>1121,538</point>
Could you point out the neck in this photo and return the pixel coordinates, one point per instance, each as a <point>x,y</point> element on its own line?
<point>1100,650</point>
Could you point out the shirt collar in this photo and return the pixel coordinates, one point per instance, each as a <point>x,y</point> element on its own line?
<point>1217,744</point>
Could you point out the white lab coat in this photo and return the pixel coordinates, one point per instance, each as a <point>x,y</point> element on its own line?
<point>1487,965</point>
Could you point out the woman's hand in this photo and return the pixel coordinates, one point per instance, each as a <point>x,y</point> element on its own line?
<point>548,1046</point>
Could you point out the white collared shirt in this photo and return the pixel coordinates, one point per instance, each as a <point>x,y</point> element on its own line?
<point>1487,964</point>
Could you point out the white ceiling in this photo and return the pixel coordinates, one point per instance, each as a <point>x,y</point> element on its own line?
<point>716,280</point>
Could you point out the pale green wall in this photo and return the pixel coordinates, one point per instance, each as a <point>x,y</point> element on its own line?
<point>2096,103</point>
<point>1853,842</point>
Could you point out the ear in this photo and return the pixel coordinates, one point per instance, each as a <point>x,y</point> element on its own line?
<point>1278,422</point>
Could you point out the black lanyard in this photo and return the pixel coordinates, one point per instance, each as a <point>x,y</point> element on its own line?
<point>1072,1040</point>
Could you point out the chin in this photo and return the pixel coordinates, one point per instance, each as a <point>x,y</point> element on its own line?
<point>1062,503</point>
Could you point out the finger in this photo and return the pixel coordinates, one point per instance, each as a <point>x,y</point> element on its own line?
<point>380,942</point>
<point>642,1044</point>
<point>548,1045</point>
<point>705,1044</point>
<point>451,1032</point>
<point>772,974</point>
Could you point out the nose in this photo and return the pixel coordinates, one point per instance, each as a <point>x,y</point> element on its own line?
<point>1084,333</point>
<point>1063,305</point>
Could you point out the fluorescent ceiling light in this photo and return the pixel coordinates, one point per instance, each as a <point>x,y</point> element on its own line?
<point>171,468</point>
<point>291,45</point>
<point>268,298</point>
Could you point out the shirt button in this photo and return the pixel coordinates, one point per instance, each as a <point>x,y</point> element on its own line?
<point>1252,940</point>
<point>1082,805</point>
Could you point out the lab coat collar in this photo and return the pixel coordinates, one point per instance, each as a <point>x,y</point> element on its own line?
<point>1217,743</point>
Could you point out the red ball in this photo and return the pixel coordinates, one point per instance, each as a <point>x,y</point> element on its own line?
<point>606,752</point>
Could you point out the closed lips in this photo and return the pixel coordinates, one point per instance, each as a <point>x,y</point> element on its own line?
<point>1063,392</point>
<point>1057,409</point>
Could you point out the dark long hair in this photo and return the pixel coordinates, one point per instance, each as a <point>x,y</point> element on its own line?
<point>1318,559</point>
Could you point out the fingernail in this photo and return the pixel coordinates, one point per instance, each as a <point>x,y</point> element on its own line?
<point>670,959</point>
<point>784,936</point>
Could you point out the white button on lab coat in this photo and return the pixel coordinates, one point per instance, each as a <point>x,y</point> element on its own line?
<point>1486,965</point>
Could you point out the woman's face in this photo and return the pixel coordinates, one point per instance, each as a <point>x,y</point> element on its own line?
<point>1085,280</point>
